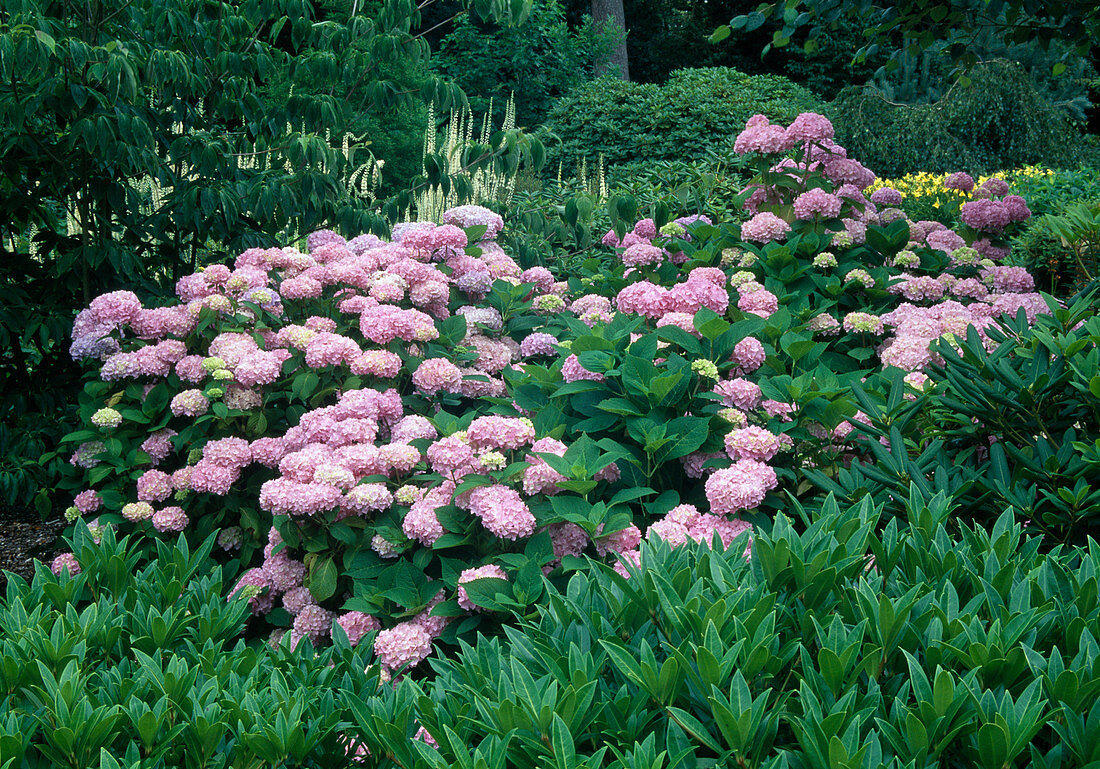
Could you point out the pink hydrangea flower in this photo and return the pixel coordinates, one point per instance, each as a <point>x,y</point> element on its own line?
<point>741,487</point>
<point>498,432</point>
<point>502,512</point>
<point>761,302</point>
<point>764,228</point>
<point>356,625</point>
<point>404,644</point>
<point>170,520</point>
<point>752,443</point>
<point>749,354</point>
<point>65,561</point>
<point>437,374</point>
<point>816,203</point>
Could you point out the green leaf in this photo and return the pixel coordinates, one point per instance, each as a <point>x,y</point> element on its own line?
<point>321,579</point>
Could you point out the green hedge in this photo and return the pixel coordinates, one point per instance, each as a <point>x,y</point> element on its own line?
<point>696,115</point>
<point>998,120</point>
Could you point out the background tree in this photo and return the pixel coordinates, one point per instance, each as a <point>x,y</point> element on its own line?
<point>961,27</point>
<point>137,139</point>
<point>612,13</point>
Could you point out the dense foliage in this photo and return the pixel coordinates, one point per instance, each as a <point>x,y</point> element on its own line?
<point>841,643</point>
<point>136,142</point>
<point>847,639</point>
<point>139,661</point>
<point>379,427</point>
<point>695,115</point>
<point>996,120</point>
<point>535,64</point>
<point>705,448</point>
<point>1007,424</point>
<point>915,26</point>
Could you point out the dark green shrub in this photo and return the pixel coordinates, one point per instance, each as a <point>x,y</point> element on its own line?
<point>1044,256</point>
<point>144,664</point>
<point>847,645</point>
<point>997,120</point>
<point>696,114</point>
<point>1016,426</point>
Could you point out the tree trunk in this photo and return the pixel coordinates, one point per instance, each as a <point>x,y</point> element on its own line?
<point>611,12</point>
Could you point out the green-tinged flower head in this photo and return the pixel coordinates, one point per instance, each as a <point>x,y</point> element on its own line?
<point>406,495</point>
<point>493,460</point>
<point>705,368</point>
<point>107,418</point>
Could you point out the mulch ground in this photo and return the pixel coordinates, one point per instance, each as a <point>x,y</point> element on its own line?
<point>24,536</point>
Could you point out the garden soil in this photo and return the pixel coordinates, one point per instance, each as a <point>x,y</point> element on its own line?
<point>24,536</point>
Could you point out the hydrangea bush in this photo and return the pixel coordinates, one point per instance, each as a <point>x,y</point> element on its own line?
<point>396,436</point>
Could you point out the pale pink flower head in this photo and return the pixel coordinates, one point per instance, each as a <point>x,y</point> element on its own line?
<point>752,443</point>
<point>404,644</point>
<point>498,432</point>
<point>749,354</point>
<point>411,428</point>
<point>471,216</point>
<point>642,254</point>
<point>739,393</point>
<point>963,182</point>
<point>115,308</point>
<point>313,622</point>
<point>87,501</point>
<point>437,374</point>
<point>886,197</point>
<point>154,486</point>
<point>762,303</point>
<point>502,512</point>
<point>766,139</point>
<point>356,625</point>
<point>170,519</point>
<point>764,228</point>
<point>65,561</point>
<point>568,539</point>
<point>809,127</point>
<point>620,541</point>
<point>741,487</point>
<point>816,203</point>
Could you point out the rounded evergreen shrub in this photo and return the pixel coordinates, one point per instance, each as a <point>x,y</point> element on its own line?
<point>998,120</point>
<point>696,114</point>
